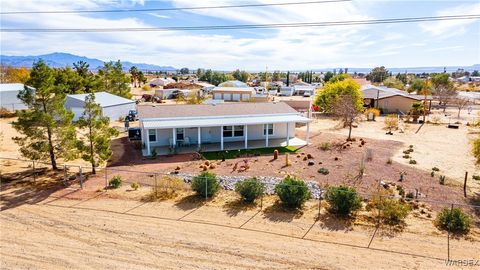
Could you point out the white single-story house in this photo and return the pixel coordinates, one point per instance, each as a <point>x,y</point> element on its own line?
<point>160,81</point>
<point>168,93</point>
<point>304,89</point>
<point>218,127</point>
<point>8,96</point>
<point>113,106</point>
<point>391,100</point>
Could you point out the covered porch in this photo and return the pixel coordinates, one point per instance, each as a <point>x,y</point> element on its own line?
<point>228,133</point>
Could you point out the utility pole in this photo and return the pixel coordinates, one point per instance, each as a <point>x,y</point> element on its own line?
<point>425,89</point>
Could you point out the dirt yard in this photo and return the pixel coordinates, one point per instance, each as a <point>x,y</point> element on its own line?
<point>70,228</point>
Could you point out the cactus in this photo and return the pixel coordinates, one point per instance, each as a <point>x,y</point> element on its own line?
<point>441,179</point>
<point>287,162</point>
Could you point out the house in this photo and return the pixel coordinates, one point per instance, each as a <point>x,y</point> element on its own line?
<point>206,87</point>
<point>304,89</point>
<point>233,91</point>
<point>171,93</point>
<point>8,96</point>
<point>160,81</point>
<point>113,106</point>
<point>233,126</point>
<point>391,100</point>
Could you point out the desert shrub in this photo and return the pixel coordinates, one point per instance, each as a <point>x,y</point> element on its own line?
<point>323,171</point>
<point>454,220</point>
<point>135,185</point>
<point>406,156</point>
<point>406,152</point>
<point>146,87</point>
<point>168,186</point>
<point>376,112</point>
<point>115,182</point>
<point>325,146</point>
<point>389,161</point>
<point>292,192</point>
<point>476,177</point>
<point>401,191</point>
<point>412,161</point>
<point>250,189</point>
<point>436,119</point>
<point>432,173</point>
<point>410,195</point>
<point>153,153</point>
<point>393,211</point>
<point>4,113</point>
<point>410,146</point>
<point>391,122</point>
<point>435,169</point>
<point>205,184</point>
<point>343,200</point>
<point>441,179</point>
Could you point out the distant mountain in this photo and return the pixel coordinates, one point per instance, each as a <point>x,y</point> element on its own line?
<point>63,59</point>
<point>407,69</point>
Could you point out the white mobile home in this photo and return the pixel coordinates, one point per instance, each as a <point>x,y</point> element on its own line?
<point>8,96</point>
<point>113,106</point>
<point>189,128</point>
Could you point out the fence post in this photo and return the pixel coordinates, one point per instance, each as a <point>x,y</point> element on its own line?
<point>155,185</point>
<point>465,185</point>
<point>106,180</point>
<point>65,174</point>
<point>319,206</point>
<point>81,176</point>
<point>34,171</point>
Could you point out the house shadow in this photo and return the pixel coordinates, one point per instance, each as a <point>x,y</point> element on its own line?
<point>235,207</point>
<point>279,213</point>
<point>333,222</point>
<point>18,188</point>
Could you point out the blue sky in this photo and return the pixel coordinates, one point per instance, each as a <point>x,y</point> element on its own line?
<point>446,43</point>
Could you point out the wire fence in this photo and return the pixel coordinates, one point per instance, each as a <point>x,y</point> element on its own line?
<point>170,196</point>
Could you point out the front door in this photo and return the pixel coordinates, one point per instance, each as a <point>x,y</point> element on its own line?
<point>180,134</point>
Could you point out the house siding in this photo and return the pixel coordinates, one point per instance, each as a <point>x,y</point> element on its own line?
<point>396,103</point>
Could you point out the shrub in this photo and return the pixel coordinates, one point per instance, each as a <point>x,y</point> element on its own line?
<point>406,152</point>
<point>454,220</point>
<point>410,195</point>
<point>343,200</point>
<point>146,87</point>
<point>435,169</point>
<point>292,192</point>
<point>250,189</point>
<point>153,153</point>
<point>410,146</point>
<point>476,177</point>
<point>325,146</point>
<point>376,112</point>
<point>323,171</point>
<point>412,161</point>
<point>406,156</point>
<point>135,185</point>
<point>389,161</point>
<point>393,211</point>
<point>115,182</point>
<point>441,179</point>
<point>205,184</point>
<point>432,173</point>
<point>401,191</point>
<point>167,187</point>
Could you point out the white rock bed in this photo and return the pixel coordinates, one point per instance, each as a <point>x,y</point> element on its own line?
<point>228,183</point>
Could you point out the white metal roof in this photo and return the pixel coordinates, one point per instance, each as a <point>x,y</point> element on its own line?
<point>6,87</point>
<point>223,121</point>
<point>104,99</point>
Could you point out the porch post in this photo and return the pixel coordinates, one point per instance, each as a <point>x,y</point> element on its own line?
<point>174,134</point>
<point>245,131</point>
<point>199,137</point>
<point>288,134</point>
<point>308,133</point>
<point>266,134</point>
<point>148,142</point>
<point>221,138</point>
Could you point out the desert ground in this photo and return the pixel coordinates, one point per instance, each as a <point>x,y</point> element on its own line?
<point>97,228</point>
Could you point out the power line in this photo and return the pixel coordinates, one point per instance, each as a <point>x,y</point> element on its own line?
<point>248,26</point>
<point>169,9</point>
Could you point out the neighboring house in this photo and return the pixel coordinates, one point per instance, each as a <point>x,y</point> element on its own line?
<point>235,83</point>
<point>170,93</point>
<point>391,100</point>
<point>113,106</point>
<point>304,89</point>
<point>160,82</point>
<point>206,87</point>
<point>8,96</point>
<point>300,105</point>
<point>190,128</point>
<point>233,93</point>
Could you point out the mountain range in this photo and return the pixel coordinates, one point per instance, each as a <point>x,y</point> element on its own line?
<point>58,60</point>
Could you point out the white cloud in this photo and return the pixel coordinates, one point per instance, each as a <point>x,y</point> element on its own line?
<point>159,16</point>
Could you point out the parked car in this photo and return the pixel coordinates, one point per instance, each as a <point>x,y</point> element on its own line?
<point>132,116</point>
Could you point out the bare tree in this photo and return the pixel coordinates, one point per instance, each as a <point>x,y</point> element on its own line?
<point>460,103</point>
<point>443,89</point>
<point>347,112</point>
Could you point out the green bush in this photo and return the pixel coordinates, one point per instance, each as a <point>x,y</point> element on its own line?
<point>205,184</point>
<point>115,182</point>
<point>406,152</point>
<point>292,192</point>
<point>343,200</point>
<point>250,189</point>
<point>454,220</point>
<point>323,171</point>
<point>325,146</point>
<point>412,161</point>
<point>393,211</point>
<point>401,191</point>
<point>135,185</point>
<point>476,177</point>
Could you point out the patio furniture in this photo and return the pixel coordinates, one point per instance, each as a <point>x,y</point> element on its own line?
<point>186,141</point>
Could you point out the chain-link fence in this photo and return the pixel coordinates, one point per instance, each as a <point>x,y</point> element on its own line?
<point>386,220</point>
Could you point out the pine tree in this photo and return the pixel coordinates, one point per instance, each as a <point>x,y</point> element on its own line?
<point>288,78</point>
<point>96,147</point>
<point>113,80</point>
<point>46,127</point>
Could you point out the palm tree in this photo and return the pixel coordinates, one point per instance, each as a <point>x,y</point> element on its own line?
<point>134,75</point>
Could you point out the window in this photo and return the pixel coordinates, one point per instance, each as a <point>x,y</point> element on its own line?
<point>152,135</point>
<point>227,131</point>
<point>237,131</point>
<point>268,127</point>
<point>180,134</point>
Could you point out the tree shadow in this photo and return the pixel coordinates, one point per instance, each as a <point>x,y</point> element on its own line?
<point>190,202</point>
<point>334,222</point>
<point>391,229</point>
<point>279,213</point>
<point>235,207</point>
